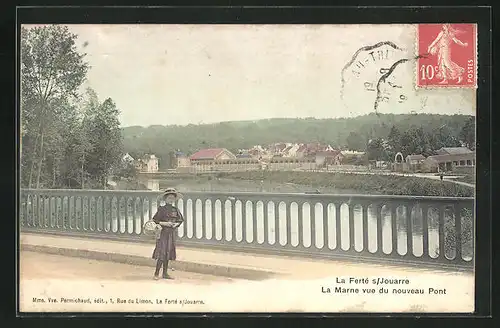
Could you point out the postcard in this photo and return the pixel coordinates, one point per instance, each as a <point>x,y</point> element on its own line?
<point>248,168</point>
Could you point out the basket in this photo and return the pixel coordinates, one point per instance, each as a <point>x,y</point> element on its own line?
<point>150,228</point>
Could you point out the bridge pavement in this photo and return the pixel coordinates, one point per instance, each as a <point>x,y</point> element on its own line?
<point>288,284</point>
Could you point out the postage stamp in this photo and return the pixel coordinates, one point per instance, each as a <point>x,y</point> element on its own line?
<point>247,168</point>
<point>447,55</point>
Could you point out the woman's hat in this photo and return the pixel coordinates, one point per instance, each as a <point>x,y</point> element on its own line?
<point>172,191</point>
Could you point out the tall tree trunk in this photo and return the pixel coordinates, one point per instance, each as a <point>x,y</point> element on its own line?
<point>82,182</point>
<point>54,173</point>
<point>40,162</point>
<point>33,156</point>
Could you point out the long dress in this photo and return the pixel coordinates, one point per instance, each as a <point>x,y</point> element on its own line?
<point>448,68</point>
<point>165,245</point>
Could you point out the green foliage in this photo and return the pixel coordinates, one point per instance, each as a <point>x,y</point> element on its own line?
<point>468,133</point>
<point>67,140</point>
<point>126,170</point>
<point>377,184</point>
<point>437,130</point>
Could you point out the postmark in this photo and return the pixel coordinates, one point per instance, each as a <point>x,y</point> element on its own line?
<point>448,56</point>
<point>360,76</point>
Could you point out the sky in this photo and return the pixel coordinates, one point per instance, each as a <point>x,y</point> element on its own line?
<point>191,74</point>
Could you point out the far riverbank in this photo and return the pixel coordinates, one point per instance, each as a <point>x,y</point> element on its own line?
<point>373,184</point>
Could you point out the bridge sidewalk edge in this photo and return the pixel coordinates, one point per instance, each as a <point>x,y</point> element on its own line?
<point>187,266</point>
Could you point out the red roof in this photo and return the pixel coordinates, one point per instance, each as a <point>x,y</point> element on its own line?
<point>207,153</point>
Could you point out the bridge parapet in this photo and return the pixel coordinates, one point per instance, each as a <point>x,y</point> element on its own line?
<point>431,230</point>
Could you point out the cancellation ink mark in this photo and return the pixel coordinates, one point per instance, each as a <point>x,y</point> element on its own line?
<point>360,64</point>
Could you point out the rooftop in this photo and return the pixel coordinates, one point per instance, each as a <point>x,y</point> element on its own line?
<point>419,156</point>
<point>210,153</point>
<point>454,150</point>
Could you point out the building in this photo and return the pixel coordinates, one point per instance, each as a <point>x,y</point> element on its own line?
<point>147,164</point>
<point>450,162</point>
<point>310,150</point>
<point>210,155</point>
<point>330,157</point>
<point>182,159</point>
<point>127,158</point>
<point>415,159</point>
<point>454,151</point>
<point>414,163</point>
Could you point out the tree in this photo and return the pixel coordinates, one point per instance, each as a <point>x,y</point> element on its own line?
<point>356,142</point>
<point>105,139</point>
<point>468,133</point>
<point>375,150</point>
<point>52,70</point>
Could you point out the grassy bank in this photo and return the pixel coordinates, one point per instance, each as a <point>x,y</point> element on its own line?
<point>379,184</point>
<point>467,178</point>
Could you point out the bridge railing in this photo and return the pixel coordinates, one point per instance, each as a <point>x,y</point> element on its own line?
<point>436,230</point>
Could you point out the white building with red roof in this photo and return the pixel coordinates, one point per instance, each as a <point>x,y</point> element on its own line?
<point>210,155</point>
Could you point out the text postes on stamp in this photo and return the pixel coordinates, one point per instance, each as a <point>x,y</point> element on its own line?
<point>447,55</point>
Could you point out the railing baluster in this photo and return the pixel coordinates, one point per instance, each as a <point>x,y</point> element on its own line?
<point>254,223</point>
<point>102,214</point>
<point>233,221</point>
<point>409,231</point>
<point>288,213</point>
<point>72,219</point>
<point>442,250</point>
<point>394,229</point>
<point>326,230</point>
<point>212,219</point>
<point>39,211</point>
<point>364,208</point>
<point>127,220</point>
<point>338,227</point>
<point>352,240</point>
<point>265,209</point>
<point>203,219</point>
<point>458,232</point>
<point>57,211</point>
<point>150,205</point>
<point>380,247</point>
<point>244,221</point>
<point>223,220</point>
<point>425,231</point>
<point>312,224</point>
<point>277,227</point>
<point>185,223</point>
<point>300,223</point>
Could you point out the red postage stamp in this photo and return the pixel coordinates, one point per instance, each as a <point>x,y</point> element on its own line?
<point>447,55</point>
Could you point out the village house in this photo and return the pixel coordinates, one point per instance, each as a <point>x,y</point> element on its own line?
<point>415,159</point>
<point>454,151</point>
<point>329,157</point>
<point>182,159</point>
<point>277,149</point>
<point>147,164</point>
<point>414,162</point>
<point>310,150</point>
<point>210,155</point>
<point>128,159</point>
<point>450,162</point>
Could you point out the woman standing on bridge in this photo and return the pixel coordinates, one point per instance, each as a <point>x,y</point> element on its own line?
<point>169,218</point>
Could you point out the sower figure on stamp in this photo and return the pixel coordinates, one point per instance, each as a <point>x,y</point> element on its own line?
<point>441,46</point>
<point>169,218</point>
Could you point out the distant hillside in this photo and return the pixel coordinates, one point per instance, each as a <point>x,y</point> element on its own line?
<point>162,140</point>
